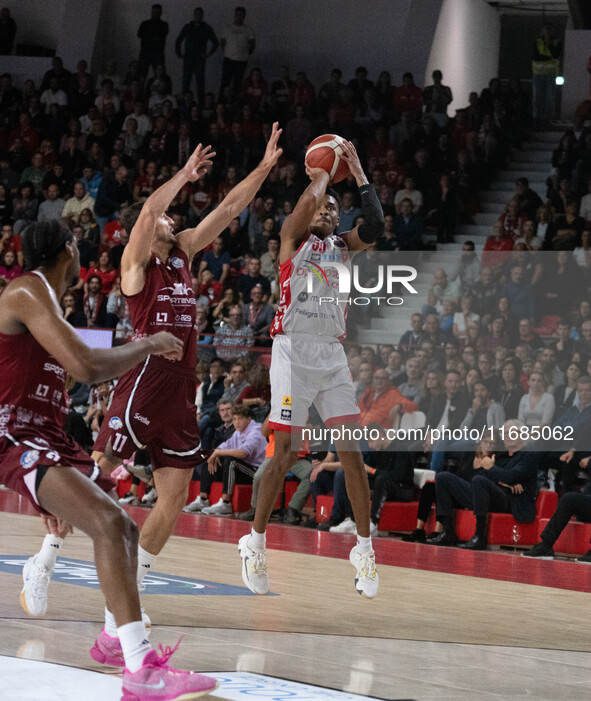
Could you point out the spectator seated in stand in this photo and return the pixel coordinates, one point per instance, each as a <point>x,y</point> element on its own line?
<point>216,260</point>
<point>234,338</point>
<point>210,291</point>
<point>105,271</point>
<point>391,465</point>
<point>504,483</point>
<point>382,403</point>
<point>9,268</point>
<point>441,289</point>
<point>302,469</point>
<point>512,220</point>
<point>95,303</point>
<point>258,316</point>
<point>238,458</point>
<point>53,206</point>
<point>527,200</point>
<point>570,504</point>
<point>74,206</point>
<point>468,467</point>
<point>408,227</point>
<point>209,393</point>
<point>484,414</point>
<point>221,433</point>
<point>563,453</point>
<point>246,281</point>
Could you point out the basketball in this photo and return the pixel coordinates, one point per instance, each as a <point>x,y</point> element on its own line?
<point>325,152</point>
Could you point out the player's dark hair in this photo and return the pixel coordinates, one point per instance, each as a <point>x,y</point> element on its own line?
<point>131,215</point>
<point>334,194</point>
<point>43,241</point>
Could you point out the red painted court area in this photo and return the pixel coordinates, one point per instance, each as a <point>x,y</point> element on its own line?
<point>502,566</point>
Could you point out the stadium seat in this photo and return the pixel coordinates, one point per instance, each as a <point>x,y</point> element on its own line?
<point>503,529</point>
<point>398,516</point>
<point>574,539</point>
<point>240,497</point>
<point>546,503</point>
<point>323,508</point>
<point>124,485</point>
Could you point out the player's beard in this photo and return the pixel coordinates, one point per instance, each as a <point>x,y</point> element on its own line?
<point>320,231</point>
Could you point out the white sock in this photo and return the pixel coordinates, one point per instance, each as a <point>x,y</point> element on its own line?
<point>49,551</point>
<point>135,644</point>
<point>144,562</point>
<point>257,541</point>
<point>363,544</point>
<point>110,624</point>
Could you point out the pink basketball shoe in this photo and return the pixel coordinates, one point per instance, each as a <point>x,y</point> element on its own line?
<point>156,681</point>
<point>107,650</point>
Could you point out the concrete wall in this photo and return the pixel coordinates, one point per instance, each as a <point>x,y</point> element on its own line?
<point>465,48</point>
<point>577,48</point>
<point>38,23</point>
<point>308,35</point>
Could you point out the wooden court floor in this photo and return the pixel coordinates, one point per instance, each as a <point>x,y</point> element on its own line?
<point>428,634</point>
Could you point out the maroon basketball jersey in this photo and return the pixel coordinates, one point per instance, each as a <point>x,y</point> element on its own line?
<point>167,303</point>
<point>32,384</point>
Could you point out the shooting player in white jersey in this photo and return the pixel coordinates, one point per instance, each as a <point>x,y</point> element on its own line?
<point>309,363</point>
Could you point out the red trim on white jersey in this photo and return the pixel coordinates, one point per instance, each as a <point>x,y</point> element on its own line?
<point>285,273</point>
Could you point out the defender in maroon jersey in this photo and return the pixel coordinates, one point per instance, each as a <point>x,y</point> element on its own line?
<point>154,404</point>
<point>38,459</point>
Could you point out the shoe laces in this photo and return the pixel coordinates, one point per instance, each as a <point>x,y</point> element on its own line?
<point>40,580</point>
<point>367,565</point>
<point>165,654</point>
<point>259,564</point>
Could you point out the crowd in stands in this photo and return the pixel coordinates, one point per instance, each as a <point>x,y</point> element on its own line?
<point>504,336</point>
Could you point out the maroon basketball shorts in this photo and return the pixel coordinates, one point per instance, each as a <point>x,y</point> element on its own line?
<point>25,455</point>
<point>154,408</point>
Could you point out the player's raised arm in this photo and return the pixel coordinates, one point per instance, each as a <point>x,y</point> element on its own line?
<point>28,303</point>
<point>137,251</point>
<point>297,223</point>
<point>193,240</point>
<point>371,210</point>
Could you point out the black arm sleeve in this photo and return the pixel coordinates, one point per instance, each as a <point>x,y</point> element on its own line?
<point>371,211</point>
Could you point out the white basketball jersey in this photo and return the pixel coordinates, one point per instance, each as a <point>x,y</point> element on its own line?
<point>310,299</point>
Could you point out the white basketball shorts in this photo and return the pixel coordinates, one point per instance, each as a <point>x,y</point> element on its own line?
<point>308,370</point>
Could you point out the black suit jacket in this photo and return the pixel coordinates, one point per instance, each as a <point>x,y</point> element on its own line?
<point>519,468</point>
<point>457,411</point>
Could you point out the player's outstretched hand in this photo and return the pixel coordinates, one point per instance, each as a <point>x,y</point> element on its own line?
<point>198,162</point>
<point>164,343</point>
<point>272,152</point>
<point>351,157</point>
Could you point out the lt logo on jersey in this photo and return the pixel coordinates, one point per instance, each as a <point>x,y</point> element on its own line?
<point>287,400</point>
